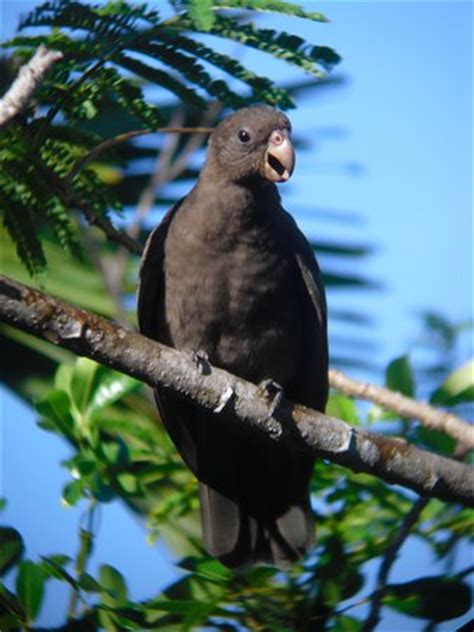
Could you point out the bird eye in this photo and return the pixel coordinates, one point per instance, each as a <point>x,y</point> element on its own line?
<point>244,136</point>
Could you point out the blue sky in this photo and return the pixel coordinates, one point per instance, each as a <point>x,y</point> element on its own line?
<point>406,118</point>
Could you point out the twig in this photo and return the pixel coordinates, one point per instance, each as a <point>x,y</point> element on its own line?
<point>86,334</point>
<point>123,138</point>
<point>388,561</point>
<point>86,541</point>
<point>158,176</point>
<point>106,265</point>
<point>430,416</point>
<point>106,227</point>
<point>25,85</point>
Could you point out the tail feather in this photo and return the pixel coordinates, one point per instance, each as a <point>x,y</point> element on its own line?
<point>239,539</point>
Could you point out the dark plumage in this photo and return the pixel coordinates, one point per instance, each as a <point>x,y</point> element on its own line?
<point>229,273</point>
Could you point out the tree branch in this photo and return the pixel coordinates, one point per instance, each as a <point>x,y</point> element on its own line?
<point>110,143</point>
<point>29,78</point>
<point>388,561</point>
<point>89,335</point>
<point>430,416</point>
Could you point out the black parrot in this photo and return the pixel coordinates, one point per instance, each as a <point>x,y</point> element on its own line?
<point>229,273</point>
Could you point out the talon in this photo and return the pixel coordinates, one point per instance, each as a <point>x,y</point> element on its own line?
<point>273,393</point>
<point>201,360</point>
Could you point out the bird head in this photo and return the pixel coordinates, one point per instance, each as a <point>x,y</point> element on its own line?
<point>253,144</point>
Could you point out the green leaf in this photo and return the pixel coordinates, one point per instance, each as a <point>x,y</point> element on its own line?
<point>56,407</point>
<point>115,453</point>
<point>272,6</point>
<point>111,387</point>
<point>435,440</point>
<point>434,598</point>
<point>457,388</point>
<point>206,568</point>
<point>30,588</point>
<point>89,584</point>
<point>72,493</point>
<point>82,383</point>
<point>9,603</point>
<point>377,413</point>
<point>53,566</point>
<point>343,407</point>
<point>344,623</point>
<point>399,376</point>
<point>103,492</point>
<point>201,13</point>
<point>129,483</point>
<point>113,585</point>
<point>11,548</point>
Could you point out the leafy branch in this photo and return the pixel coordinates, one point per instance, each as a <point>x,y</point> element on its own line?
<point>88,75</point>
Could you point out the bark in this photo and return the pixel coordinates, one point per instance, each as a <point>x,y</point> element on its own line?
<point>404,406</point>
<point>29,78</point>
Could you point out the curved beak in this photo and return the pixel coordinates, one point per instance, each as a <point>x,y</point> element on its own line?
<point>279,157</point>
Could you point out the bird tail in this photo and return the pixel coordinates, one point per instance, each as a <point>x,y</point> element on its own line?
<point>238,539</point>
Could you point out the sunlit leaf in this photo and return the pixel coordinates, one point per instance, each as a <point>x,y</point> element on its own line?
<point>111,387</point>
<point>201,13</point>
<point>343,407</point>
<point>207,568</point>
<point>72,493</point>
<point>457,388</point>
<point>82,382</point>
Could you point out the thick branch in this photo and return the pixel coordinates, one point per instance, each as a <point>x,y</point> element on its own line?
<point>89,335</point>
<point>430,416</point>
<point>29,78</point>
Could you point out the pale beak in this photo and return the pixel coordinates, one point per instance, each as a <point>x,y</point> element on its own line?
<point>279,157</point>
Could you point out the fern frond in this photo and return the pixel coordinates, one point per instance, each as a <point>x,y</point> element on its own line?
<point>201,13</point>
<point>163,79</point>
<point>291,48</point>
<point>263,89</point>
<point>62,228</point>
<point>271,6</point>
<point>22,228</point>
<point>194,72</point>
<point>78,16</point>
<point>99,41</point>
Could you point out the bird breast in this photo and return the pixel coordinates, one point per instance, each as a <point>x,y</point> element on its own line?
<point>232,297</point>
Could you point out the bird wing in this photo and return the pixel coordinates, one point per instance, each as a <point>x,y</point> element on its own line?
<point>150,289</point>
<point>310,386</point>
<point>173,412</point>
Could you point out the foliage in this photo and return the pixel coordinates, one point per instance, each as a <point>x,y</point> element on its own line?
<point>121,452</point>
<point>109,51</point>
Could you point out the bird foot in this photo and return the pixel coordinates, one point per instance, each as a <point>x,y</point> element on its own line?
<point>200,359</point>
<point>273,393</point>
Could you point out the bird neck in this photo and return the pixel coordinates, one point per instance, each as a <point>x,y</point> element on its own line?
<point>235,199</point>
